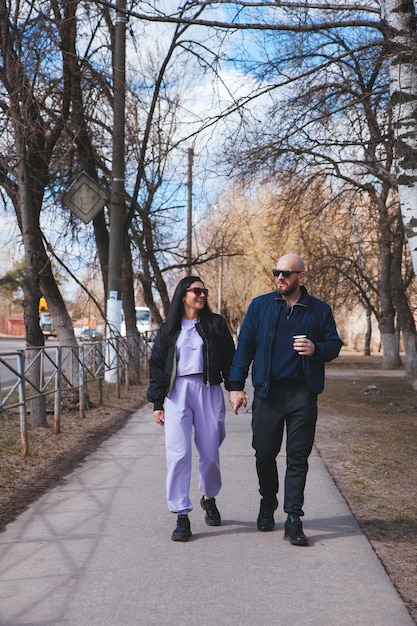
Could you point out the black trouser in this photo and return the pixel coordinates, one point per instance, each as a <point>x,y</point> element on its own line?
<point>294,405</point>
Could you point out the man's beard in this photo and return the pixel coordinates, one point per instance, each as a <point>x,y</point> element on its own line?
<point>287,291</point>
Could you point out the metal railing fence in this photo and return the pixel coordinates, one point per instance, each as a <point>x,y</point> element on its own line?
<point>34,373</point>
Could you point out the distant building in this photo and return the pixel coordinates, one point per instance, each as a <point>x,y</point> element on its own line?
<point>13,325</point>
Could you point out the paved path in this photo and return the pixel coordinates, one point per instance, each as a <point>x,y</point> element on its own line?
<point>96,550</point>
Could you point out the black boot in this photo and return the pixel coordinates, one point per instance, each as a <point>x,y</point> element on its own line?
<point>265,521</point>
<point>294,531</point>
<point>212,512</point>
<point>182,531</point>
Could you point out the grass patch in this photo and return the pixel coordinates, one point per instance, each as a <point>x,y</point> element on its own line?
<point>367,437</point>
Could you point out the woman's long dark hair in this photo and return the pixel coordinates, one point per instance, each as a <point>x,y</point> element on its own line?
<point>175,314</point>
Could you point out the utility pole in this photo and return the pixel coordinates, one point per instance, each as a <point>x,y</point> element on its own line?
<point>220,285</point>
<point>190,209</point>
<point>220,273</point>
<point>117,197</point>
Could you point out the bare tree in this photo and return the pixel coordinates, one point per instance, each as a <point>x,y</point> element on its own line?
<point>68,114</point>
<point>35,134</point>
<point>333,123</point>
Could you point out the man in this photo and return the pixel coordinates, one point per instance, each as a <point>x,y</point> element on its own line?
<point>288,335</point>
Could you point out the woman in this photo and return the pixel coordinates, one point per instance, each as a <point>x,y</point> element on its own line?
<point>191,356</point>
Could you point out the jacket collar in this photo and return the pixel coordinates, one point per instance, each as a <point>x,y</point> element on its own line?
<point>304,299</point>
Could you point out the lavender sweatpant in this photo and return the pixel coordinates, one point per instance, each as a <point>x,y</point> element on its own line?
<point>192,403</point>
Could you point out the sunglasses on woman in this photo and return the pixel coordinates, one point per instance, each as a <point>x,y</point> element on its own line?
<point>198,291</point>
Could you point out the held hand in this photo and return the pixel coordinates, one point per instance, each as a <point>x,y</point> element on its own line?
<point>159,417</point>
<point>303,346</point>
<point>238,399</point>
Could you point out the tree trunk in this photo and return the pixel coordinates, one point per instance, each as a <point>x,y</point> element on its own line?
<point>128,297</point>
<point>410,349</point>
<point>151,273</point>
<point>390,356</point>
<point>405,316</point>
<point>386,319</point>
<point>368,334</point>
<point>402,54</point>
<point>56,304</point>
<point>30,285</point>
<point>390,359</point>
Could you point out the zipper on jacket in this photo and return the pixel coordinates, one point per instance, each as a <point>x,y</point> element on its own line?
<point>207,362</point>
<point>291,308</point>
<point>207,356</point>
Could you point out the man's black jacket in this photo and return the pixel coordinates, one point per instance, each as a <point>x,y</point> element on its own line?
<point>256,341</point>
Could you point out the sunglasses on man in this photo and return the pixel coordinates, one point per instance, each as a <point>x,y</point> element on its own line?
<point>285,273</point>
<point>198,291</point>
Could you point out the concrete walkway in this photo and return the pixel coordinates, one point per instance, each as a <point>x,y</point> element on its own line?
<point>97,549</point>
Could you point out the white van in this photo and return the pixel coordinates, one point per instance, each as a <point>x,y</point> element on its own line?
<point>143,320</point>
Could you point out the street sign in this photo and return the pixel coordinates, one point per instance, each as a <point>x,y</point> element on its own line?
<point>85,198</point>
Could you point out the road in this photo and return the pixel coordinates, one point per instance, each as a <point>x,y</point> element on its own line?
<point>8,357</point>
<point>11,344</point>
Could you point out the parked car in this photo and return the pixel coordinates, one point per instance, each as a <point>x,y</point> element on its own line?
<point>91,334</point>
<point>143,321</point>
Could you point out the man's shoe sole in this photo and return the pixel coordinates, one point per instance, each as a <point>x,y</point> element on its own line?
<point>265,528</point>
<point>182,538</point>
<point>210,523</point>
<point>296,542</point>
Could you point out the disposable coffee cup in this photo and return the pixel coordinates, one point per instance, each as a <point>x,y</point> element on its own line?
<point>298,349</point>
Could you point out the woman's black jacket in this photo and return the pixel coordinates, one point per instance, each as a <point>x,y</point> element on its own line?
<point>218,351</point>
